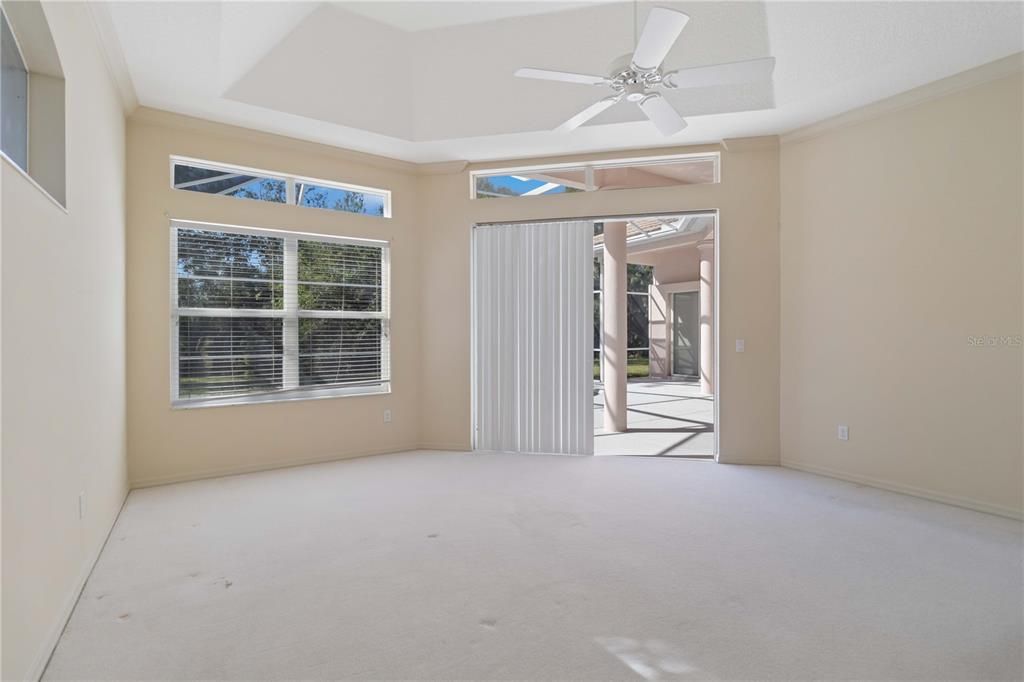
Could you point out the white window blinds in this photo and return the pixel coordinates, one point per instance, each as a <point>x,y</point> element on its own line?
<point>264,315</point>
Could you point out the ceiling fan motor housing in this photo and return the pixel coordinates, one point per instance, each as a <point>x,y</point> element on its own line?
<point>631,81</point>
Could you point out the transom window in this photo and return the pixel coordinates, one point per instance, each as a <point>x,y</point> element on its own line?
<point>246,183</point>
<point>666,171</point>
<point>261,315</point>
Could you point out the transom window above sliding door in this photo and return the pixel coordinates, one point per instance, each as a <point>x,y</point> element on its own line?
<point>205,177</point>
<point>262,315</point>
<point>596,176</point>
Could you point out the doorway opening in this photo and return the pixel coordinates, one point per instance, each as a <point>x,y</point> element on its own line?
<point>654,392</point>
<point>646,385</point>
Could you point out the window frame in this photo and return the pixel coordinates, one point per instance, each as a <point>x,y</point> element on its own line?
<point>588,168</point>
<point>290,353</point>
<point>28,101</point>
<point>290,181</point>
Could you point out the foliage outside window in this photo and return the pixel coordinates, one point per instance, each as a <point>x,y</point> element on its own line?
<point>638,280</point>
<point>338,199</point>
<point>266,315</point>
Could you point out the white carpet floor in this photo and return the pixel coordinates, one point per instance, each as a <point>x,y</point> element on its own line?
<point>458,566</point>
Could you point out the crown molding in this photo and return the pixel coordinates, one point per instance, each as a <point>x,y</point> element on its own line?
<point>1001,68</point>
<point>113,55</point>
<point>167,119</point>
<point>594,157</point>
<point>750,144</point>
<point>441,167</point>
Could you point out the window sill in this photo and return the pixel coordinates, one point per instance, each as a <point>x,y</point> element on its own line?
<point>282,396</point>
<point>23,173</point>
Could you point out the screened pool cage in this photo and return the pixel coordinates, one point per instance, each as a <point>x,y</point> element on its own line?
<point>638,280</point>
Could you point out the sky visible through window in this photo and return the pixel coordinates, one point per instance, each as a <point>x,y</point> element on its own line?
<point>317,196</point>
<point>225,181</point>
<point>516,186</point>
<point>14,101</point>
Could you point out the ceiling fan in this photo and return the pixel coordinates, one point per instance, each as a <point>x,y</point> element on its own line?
<point>639,76</point>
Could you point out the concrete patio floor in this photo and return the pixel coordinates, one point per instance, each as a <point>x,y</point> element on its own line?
<point>665,419</point>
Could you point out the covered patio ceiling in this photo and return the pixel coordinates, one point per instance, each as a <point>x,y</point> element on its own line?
<point>663,231</point>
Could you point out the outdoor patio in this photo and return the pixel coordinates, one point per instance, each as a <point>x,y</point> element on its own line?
<point>665,419</point>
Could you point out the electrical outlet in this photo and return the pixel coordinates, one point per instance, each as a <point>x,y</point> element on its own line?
<point>387,416</point>
<point>81,505</point>
<point>741,345</point>
<point>843,432</point>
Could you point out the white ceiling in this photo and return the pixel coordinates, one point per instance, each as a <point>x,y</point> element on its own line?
<point>432,81</point>
<point>421,16</point>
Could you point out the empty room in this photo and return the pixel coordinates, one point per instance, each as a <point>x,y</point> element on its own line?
<point>511,340</point>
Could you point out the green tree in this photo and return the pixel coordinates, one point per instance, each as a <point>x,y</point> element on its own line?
<point>485,189</point>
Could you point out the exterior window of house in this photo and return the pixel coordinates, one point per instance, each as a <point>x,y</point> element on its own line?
<point>229,182</point>
<point>317,194</point>
<point>667,171</point>
<point>280,188</point>
<point>264,315</point>
<point>14,100</point>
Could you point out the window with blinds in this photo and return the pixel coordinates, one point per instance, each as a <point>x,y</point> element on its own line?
<point>266,315</point>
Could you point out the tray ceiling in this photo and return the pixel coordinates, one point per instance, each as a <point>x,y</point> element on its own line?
<point>432,81</point>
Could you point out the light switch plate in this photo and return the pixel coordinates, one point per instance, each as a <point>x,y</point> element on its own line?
<point>843,432</point>
<point>741,345</point>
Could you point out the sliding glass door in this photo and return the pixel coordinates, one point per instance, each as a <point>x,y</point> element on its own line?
<point>533,303</point>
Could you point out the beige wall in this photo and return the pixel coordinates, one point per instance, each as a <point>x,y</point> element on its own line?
<point>901,239</point>
<point>168,445</point>
<point>747,200</point>
<point>63,358</point>
<point>678,264</point>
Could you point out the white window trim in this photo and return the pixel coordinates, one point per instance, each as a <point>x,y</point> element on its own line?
<point>289,180</point>
<point>588,168</point>
<point>291,390</point>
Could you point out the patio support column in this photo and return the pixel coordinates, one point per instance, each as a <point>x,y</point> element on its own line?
<point>613,332</point>
<point>707,316</point>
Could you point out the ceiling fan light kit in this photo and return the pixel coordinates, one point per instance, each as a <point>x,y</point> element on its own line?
<point>637,78</point>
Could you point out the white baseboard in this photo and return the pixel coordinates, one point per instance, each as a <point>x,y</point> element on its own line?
<point>446,447</point>
<point>265,466</point>
<point>762,462</point>
<point>924,493</point>
<point>71,600</point>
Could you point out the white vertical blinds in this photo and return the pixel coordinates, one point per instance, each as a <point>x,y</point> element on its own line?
<point>533,312</point>
<point>276,314</point>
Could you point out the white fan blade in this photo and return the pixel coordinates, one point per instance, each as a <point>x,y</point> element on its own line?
<point>659,35</point>
<point>588,113</point>
<point>662,114</point>
<point>721,74</point>
<point>563,76</point>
